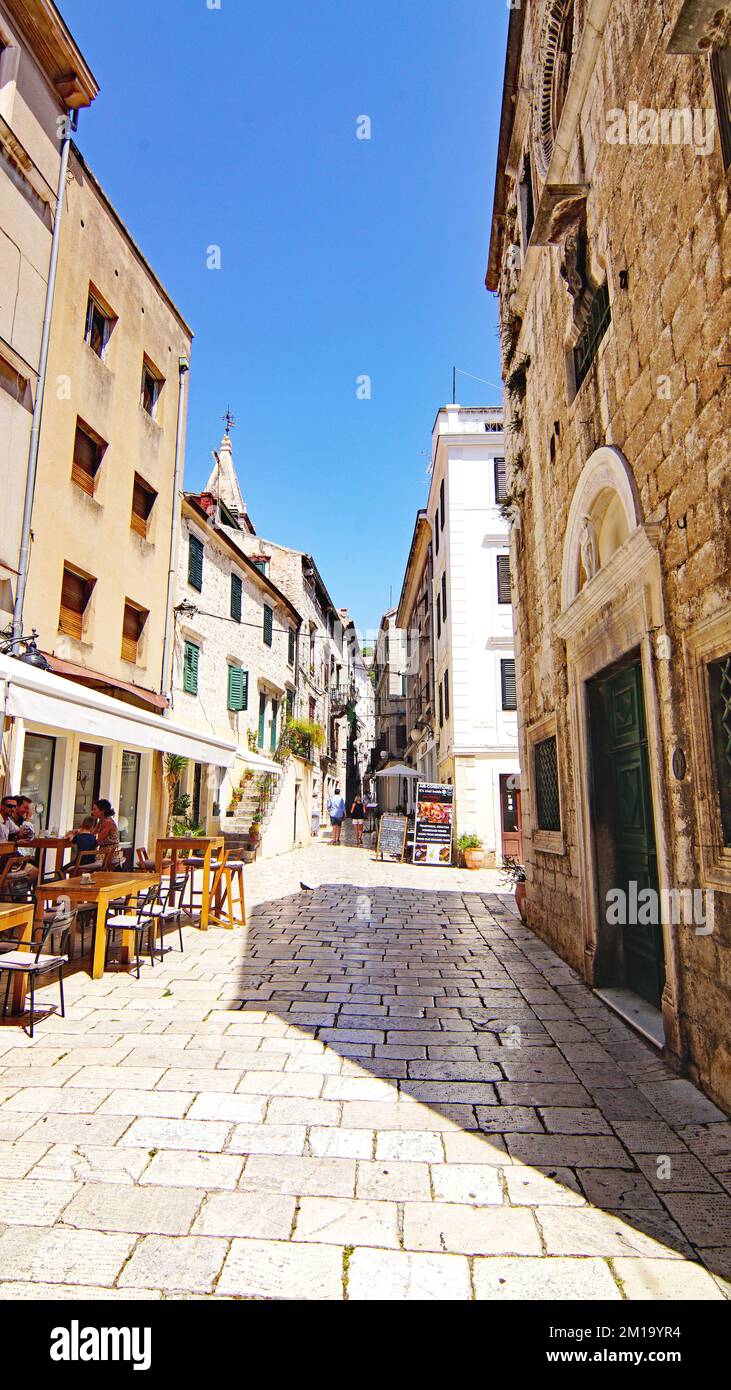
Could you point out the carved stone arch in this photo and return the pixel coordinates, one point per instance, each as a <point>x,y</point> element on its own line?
<point>553,79</point>
<point>607,496</point>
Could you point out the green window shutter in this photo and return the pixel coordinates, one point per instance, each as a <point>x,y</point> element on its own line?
<point>290,651</point>
<point>268,624</point>
<point>235,688</point>
<point>236,591</point>
<point>190,668</point>
<point>195,563</point>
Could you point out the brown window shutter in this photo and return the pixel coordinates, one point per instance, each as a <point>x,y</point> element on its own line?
<point>86,460</point>
<point>143,500</point>
<point>75,592</point>
<point>132,625</point>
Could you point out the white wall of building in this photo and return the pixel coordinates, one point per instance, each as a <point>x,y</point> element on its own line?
<point>477,739</point>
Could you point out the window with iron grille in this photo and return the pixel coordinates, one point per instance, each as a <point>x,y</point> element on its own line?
<point>501,481</point>
<point>290,646</point>
<point>195,563</point>
<point>548,804</point>
<point>507,683</point>
<point>719,690</point>
<point>191,653</point>
<point>268,624</point>
<point>236,593</point>
<point>600,317</point>
<point>503,579</point>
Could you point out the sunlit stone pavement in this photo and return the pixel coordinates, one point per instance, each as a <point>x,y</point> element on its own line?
<point>386,1088</point>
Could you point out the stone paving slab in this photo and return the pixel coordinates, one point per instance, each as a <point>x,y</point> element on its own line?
<point>387,1088</point>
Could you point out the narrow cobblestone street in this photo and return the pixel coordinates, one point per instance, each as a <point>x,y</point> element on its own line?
<point>387,1088</point>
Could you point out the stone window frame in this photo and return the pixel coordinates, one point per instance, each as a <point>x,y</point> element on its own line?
<point>705,642</point>
<point>546,120</point>
<point>546,841</point>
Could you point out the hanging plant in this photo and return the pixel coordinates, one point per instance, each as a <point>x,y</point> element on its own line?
<point>509,332</point>
<point>516,384</point>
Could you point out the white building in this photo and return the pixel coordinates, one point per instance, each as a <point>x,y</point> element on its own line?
<point>389,669</point>
<point>474,664</point>
<point>362,736</point>
<point>236,672</point>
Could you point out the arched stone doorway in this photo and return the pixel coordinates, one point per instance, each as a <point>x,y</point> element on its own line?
<point>613,623</point>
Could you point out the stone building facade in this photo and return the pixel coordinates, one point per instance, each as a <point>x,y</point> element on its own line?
<point>611,255</point>
<point>415,617</point>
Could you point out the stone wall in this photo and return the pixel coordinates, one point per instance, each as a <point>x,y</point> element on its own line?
<point>657,229</point>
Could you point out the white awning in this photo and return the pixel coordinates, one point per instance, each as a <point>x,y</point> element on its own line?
<point>398,770</point>
<point>43,698</point>
<point>257,760</point>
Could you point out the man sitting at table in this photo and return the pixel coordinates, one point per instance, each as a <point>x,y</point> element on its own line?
<point>22,829</point>
<point>8,808</point>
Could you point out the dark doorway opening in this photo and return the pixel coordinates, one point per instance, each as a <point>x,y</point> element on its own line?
<point>629,948</point>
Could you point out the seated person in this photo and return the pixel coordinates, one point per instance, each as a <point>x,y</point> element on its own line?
<point>20,830</point>
<point>84,842</point>
<point>8,808</point>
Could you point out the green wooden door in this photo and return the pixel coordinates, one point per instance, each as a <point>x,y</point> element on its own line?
<point>262,717</point>
<point>633,831</point>
<point>275,714</point>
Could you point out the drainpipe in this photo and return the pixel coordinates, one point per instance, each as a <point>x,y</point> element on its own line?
<point>70,125</point>
<point>166,683</point>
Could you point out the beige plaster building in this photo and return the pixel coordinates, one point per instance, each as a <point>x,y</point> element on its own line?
<point>100,587</point>
<point>43,79</point>
<point>415,617</point>
<point>611,254</point>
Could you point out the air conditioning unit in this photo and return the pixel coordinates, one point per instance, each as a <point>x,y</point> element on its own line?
<point>514,258</point>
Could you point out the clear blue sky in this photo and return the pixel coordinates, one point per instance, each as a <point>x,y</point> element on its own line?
<point>340,257</point>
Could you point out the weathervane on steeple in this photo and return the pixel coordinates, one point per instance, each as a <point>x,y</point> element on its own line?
<point>229,421</point>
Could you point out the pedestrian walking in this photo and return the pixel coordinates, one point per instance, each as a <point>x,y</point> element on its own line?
<point>336,812</point>
<point>357,815</point>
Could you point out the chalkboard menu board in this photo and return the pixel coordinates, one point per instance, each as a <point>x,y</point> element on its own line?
<point>392,837</point>
<point>433,833</point>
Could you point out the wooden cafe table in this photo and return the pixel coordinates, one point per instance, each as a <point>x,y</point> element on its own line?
<point>200,846</point>
<point>103,889</point>
<point>14,916</point>
<point>44,843</point>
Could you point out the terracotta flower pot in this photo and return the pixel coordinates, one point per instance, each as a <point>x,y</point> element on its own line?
<point>474,858</point>
<point>520,899</point>
<point>254,832</point>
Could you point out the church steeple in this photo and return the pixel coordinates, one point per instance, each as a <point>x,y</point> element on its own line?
<point>223,483</point>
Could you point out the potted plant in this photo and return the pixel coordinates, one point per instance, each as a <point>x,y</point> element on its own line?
<point>255,827</point>
<point>514,873</point>
<point>470,847</point>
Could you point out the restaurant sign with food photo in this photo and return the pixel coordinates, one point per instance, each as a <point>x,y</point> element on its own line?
<point>433,830</point>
